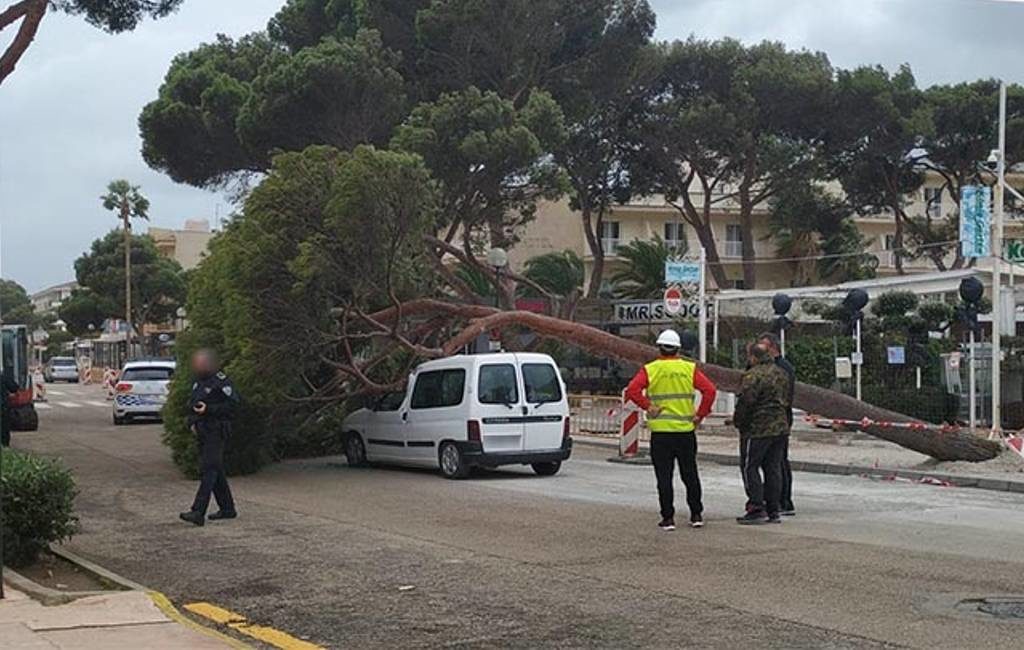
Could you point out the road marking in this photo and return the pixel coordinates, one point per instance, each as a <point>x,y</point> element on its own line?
<point>240,624</point>
<point>58,393</point>
<point>97,403</point>
<point>164,604</point>
<point>40,406</point>
<point>69,405</point>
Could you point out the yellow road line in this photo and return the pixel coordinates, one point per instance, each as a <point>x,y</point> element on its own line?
<point>164,604</point>
<point>240,624</point>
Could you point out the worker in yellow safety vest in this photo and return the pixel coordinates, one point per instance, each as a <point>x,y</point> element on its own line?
<point>666,388</point>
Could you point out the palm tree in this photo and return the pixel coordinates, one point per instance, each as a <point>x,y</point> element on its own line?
<point>560,273</point>
<point>126,201</point>
<point>644,275</point>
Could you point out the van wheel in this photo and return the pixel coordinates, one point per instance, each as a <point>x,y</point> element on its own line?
<point>453,465</point>
<point>355,450</point>
<point>547,469</point>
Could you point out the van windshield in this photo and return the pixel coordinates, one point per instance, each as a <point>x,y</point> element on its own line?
<point>541,382</point>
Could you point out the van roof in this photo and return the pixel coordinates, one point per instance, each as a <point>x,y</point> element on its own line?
<point>472,360</point>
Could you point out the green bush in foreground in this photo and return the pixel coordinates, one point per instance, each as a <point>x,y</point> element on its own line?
<point>38,500</point>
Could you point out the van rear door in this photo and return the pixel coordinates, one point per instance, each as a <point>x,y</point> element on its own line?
<point>546,405</point>
<point>500,407</point>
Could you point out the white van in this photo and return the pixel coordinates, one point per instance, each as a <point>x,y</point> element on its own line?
<point>468,411</point>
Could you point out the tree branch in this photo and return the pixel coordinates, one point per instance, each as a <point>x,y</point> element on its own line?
<point>32,12</point>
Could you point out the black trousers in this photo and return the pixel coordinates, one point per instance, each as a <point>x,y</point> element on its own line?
<point>213,479</point>
<point>668,449</point>
<point>786,491</point>
<point>763,455</point>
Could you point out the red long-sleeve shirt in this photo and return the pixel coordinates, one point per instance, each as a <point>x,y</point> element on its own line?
<point>639,383</point>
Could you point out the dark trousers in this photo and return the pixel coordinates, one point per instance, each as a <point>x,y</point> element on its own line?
<point>786,491</point>
<point>763,455</point>
<point>5,434</point>
<point>213,480</point>
<point>667,449</point>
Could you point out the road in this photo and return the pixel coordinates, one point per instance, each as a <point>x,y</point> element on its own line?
<point>381,557</point>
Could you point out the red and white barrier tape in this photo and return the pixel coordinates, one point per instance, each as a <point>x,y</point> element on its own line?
<point>865,422</point>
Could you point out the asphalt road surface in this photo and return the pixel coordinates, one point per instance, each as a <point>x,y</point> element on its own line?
<point>385,557</point>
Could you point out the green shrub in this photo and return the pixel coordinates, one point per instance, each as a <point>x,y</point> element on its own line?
<point>38,499</point>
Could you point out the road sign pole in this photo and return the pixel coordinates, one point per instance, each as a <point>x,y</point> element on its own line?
<point>997,271</point>
<point>860,359</point>
<point>702,302</point>
<point>971,385</point>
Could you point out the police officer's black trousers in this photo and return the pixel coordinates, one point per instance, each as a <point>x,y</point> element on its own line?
<point>667,449</point>
<point>763,455</point>
<point>213,480</point>
<point>786,491</point>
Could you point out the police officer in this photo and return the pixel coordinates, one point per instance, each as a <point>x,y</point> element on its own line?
<point>665,389</point>
<point>211,407</point>
<point>760,416</point>
<point>8,387</point>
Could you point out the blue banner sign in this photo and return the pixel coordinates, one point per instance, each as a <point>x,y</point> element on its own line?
<point>976,221</point>
<point>682,272</point>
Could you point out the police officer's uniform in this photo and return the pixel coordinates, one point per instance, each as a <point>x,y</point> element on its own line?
<point>212,429</point>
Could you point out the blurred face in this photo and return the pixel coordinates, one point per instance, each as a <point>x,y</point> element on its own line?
<point>771,347</point>
<point>203,363</point>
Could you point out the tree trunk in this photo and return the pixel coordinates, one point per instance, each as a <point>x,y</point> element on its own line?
<point>747,243</point>
<point>930,440</point>
<point>127,275</point>
<point>592,230</point>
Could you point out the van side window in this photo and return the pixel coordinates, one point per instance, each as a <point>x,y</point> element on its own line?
<point>541,382</point>
<point>438,388</point>
<point>497,384</point>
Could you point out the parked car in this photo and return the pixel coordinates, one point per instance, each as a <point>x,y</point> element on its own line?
<point>141,389</point>
<point>468,411</point>
<point>61,369</point>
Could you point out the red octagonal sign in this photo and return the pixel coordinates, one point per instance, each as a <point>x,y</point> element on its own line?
<point>673,300</point>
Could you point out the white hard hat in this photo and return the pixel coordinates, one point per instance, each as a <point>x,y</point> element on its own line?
<point>669,339</point>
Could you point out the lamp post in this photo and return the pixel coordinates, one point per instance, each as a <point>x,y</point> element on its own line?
<point>497,259</point>
<point>855,301</point>
<point>997,268</point>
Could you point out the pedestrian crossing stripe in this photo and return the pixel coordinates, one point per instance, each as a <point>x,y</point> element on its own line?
<point>69,405</point>
<point>43,407</point>
<point>95,403</point>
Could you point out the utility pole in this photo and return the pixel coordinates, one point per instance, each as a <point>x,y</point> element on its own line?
<point>997,269</point>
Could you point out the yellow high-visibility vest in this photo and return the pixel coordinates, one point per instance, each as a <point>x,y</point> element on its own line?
<point>670,386</point>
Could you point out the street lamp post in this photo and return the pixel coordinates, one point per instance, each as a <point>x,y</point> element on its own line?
<point>997,268</point>
<point>497,259</point>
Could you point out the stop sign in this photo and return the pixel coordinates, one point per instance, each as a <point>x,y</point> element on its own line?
<point>673,300</point>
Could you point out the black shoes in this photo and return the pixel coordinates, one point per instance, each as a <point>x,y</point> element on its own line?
<point>667,524</point>
<point>220,514</point>
<point>192,517</point>
<point>753,518</point>
<point>696,521</point>
<point>774,519</point>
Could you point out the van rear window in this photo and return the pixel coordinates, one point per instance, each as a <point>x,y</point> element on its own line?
<point>541,382</point>
<point>498,384</point>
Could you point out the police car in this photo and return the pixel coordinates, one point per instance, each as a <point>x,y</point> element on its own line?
<point>141,390</point>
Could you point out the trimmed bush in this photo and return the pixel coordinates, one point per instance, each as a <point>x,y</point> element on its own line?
<point>38,502</point>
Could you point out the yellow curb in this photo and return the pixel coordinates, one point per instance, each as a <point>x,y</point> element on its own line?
<point>164,604</point>
<point>240,624</point>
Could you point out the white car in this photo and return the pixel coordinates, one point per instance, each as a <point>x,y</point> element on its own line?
<point>141,389</point>
<point>61,369</point>
<point>468,411</point>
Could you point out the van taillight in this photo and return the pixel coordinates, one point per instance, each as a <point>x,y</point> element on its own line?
<point>566,431</point>
<point>473,431</point>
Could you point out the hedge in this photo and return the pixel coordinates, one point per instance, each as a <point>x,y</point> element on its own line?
<point>38,502</point>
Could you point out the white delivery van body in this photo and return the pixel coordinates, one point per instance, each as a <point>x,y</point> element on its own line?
<point>469,411</point>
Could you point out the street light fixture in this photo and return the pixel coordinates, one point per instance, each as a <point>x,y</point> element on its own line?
<point>497,259</point>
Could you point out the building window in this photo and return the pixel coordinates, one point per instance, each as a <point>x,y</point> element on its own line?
<point>733,241</point>
<point>933,201</point>
<point>610,237</point>
<point>890,243</point>
<point>675,235</point>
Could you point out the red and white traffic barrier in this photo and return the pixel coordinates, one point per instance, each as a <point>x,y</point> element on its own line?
<point>38,385</point>
<point>110,381</point>
<point>1016,443</point>
<point>629,430</point>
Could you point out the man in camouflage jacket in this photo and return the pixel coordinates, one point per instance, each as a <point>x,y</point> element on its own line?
<point>761,417</point>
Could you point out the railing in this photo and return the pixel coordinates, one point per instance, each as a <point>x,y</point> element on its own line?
<point>601,415</point>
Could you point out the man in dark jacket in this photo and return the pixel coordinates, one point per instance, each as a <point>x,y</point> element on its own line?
<point>8,387</point>
<point>211,407</point>
<point>771,341</point>
<point>761,418</point>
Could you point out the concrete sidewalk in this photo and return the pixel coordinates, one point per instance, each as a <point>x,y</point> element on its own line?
<point>121,619</point>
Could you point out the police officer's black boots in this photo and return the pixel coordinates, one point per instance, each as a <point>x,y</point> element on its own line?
<point>221,514</point>
<point>193,517</point>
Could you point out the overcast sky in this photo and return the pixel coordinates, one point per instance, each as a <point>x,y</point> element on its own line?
<point>69,112</point>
